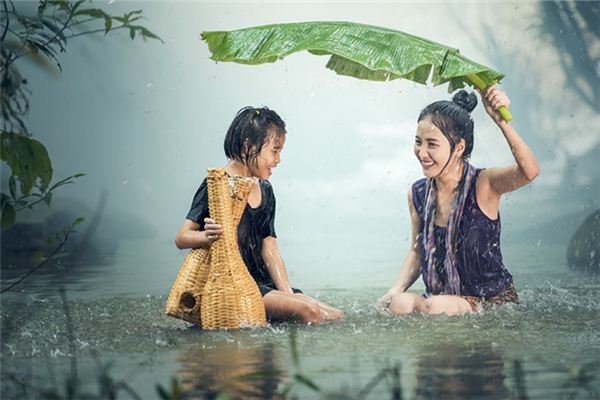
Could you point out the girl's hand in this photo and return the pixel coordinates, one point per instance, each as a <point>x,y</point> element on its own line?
<point>212,230</point>
<point>493,99</point>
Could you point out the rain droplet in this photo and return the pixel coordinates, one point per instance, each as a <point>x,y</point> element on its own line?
<point>125,182</point>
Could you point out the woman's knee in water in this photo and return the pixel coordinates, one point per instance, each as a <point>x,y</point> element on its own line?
<point>440,305</point>
<point>404,304</point>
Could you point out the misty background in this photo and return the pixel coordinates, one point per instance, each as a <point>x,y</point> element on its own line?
<point>145,120</point>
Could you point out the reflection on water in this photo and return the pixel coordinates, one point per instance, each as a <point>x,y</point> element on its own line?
<point>450,371</point>
<point>236,368</point>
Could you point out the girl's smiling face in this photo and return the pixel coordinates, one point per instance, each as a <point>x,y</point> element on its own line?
<point>269,157</point>
<point>431,148</point>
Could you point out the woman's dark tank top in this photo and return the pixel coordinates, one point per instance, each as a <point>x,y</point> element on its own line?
<point>480,267</point>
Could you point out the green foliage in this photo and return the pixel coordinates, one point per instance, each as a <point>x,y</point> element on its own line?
<point>174,393</point>
<point>357,50</point>
<point>8,212</point>
<point>28,160</point>
<point>14,202</point>
<point>41,36</point>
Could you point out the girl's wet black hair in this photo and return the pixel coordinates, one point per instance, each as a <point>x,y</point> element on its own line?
<point>249,131</point>
<point>453,118</point>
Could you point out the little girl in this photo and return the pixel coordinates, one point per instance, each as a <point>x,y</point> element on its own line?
<point>454,212</point>
<point>253,145</point>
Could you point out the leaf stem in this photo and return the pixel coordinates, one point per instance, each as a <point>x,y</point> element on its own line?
<point>480,83</point>
<point>93,31</point>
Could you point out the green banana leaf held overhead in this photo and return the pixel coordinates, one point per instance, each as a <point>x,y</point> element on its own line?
<point>357,50</point>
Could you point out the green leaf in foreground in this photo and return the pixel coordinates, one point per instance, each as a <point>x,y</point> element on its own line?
<point>8,215</point>
<point>28,160</point>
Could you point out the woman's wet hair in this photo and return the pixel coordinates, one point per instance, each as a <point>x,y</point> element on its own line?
<point>453,119</point>
<point>250,131</point>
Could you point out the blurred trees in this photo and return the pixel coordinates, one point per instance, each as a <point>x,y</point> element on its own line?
<point>577,41</point>
<point>41,32</point>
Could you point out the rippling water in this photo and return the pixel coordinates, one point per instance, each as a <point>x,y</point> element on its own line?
<point>545,347</point>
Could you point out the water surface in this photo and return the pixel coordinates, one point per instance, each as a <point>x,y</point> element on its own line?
<point>545,347</point>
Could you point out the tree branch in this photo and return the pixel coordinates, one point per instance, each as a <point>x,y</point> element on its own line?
<point>61,30</point>
<point>7,21</point>
<point>47,42</point>
<point>82,22</point>
<point>93,31</point>
<point>44,262</point>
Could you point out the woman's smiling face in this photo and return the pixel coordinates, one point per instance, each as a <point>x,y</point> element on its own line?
<point>431,148</point>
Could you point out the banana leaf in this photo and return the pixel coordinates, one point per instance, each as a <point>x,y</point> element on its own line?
<point>356,50</point>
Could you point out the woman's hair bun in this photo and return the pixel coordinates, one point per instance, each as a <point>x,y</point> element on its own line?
<point>465,100</point>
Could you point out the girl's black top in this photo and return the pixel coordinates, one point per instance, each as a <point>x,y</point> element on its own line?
<point>255,225</point>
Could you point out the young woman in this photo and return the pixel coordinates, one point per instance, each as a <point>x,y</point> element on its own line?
<point>253,145</point>
<point>454,212</point>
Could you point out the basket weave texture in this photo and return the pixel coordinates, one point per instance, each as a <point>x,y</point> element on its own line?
<point>213,288</point>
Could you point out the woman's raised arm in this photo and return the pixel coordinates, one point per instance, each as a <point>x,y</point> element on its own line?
<point>506,179</point>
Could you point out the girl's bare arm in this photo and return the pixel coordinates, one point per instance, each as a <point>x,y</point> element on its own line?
<point>191,237</point>
<point>275,264</point>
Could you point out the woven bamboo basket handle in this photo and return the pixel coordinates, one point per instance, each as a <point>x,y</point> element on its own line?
<point>230,298</point>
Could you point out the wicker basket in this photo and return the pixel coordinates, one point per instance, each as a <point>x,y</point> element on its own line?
<point>213,287</point>
<point>186,294</point>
